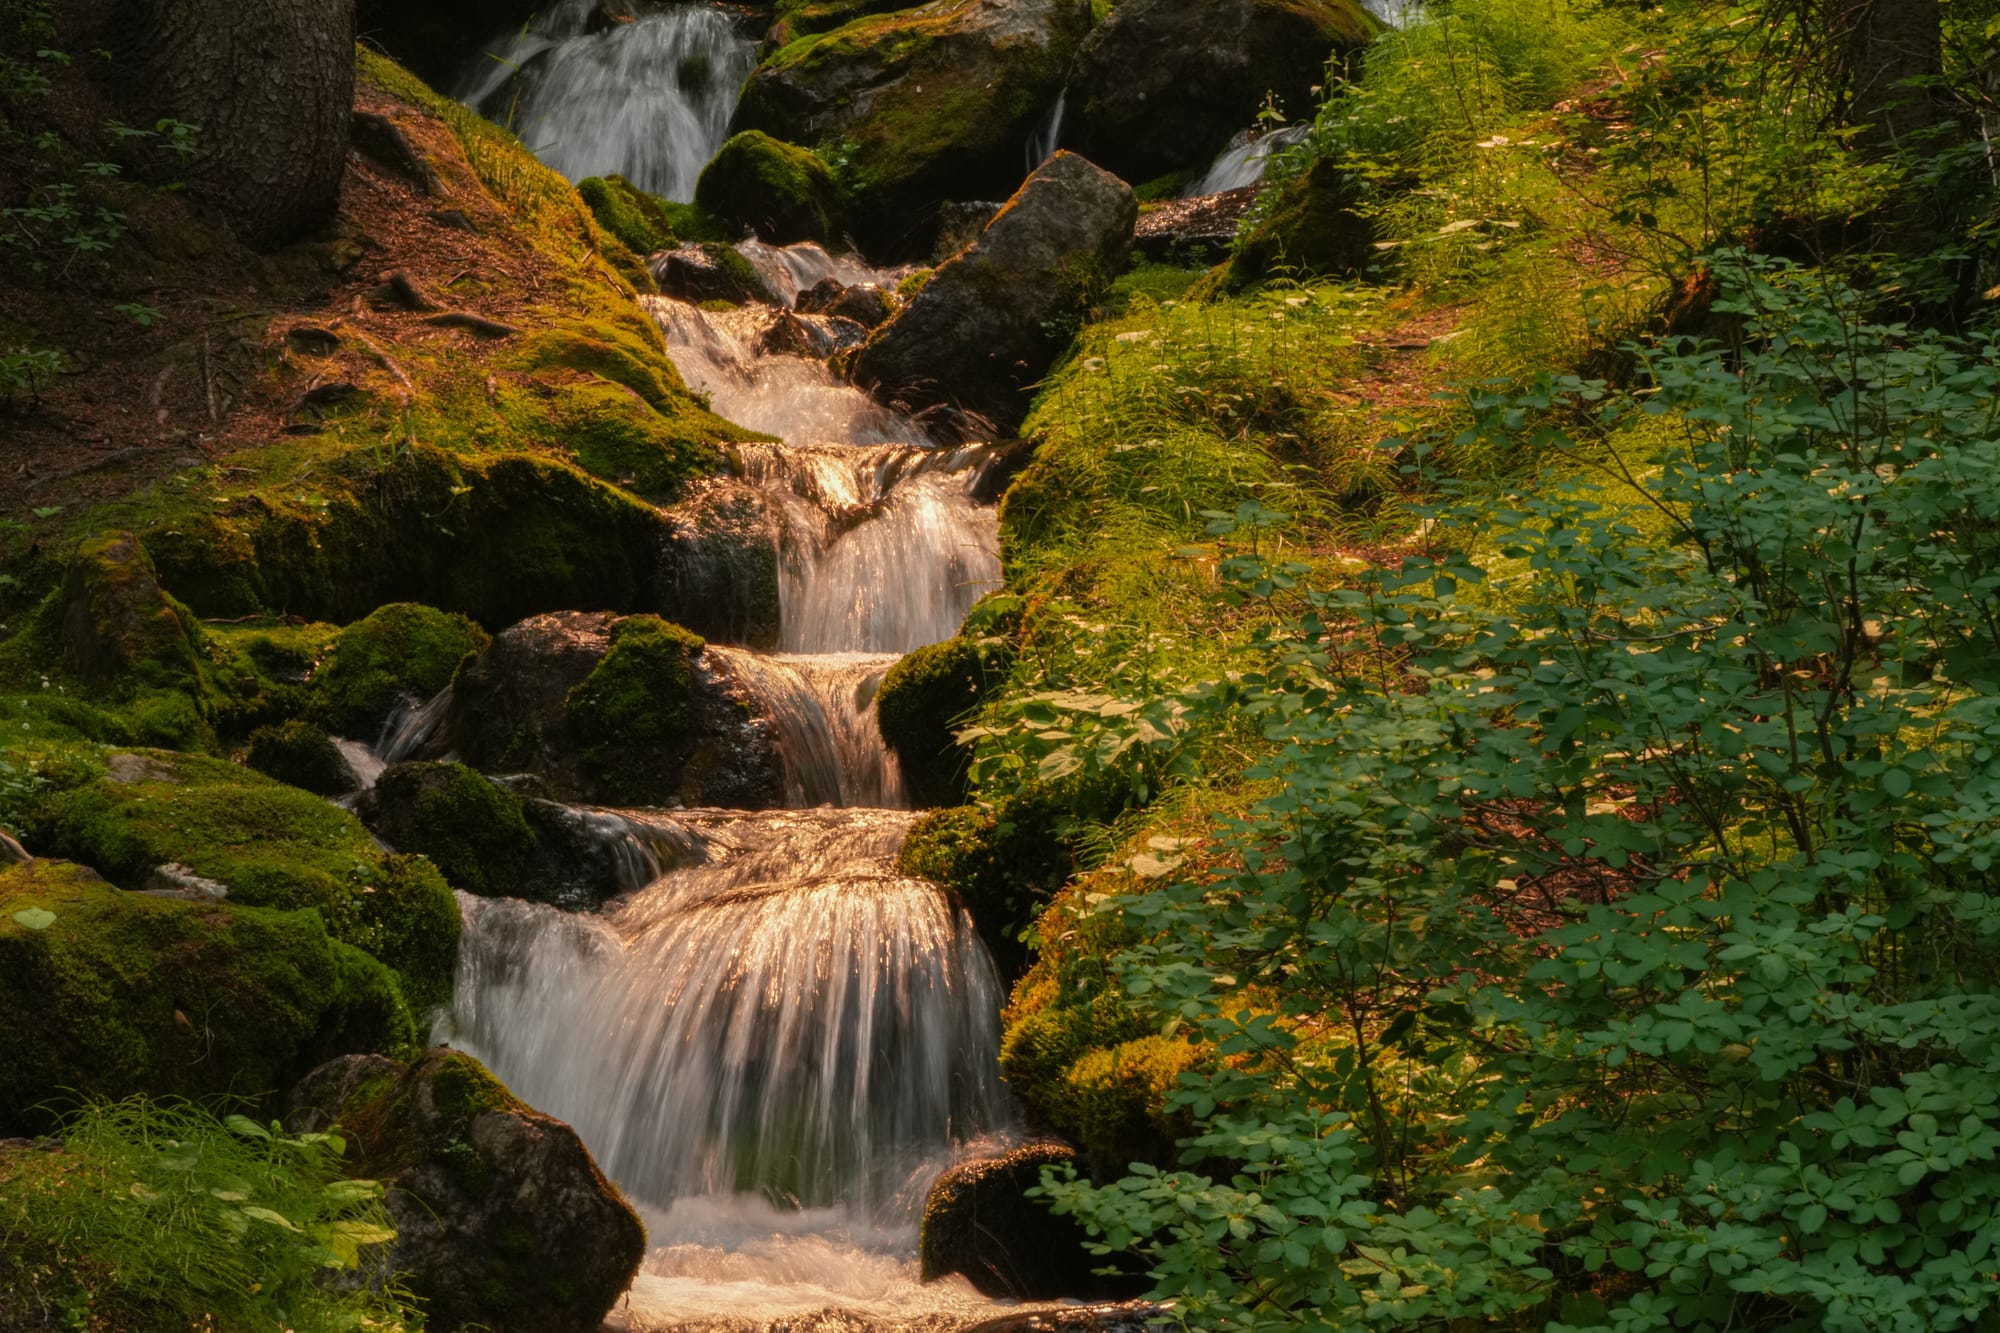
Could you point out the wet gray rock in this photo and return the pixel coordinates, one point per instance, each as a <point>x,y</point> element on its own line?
<point>503,1220</point>
<point>1161,85</point>
<point>710,272</point>
<point>866,304</point>
<point>719,564</point>
<point>959,225</point>
<point>993,318</point>
<point>522,707</point>
<point>937,102</point>
<point>980,1224</point>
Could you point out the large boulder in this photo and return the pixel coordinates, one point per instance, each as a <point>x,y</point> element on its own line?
<point>719,567</point>
<point>1161,85</point>
<point>980,1223</point>
<point>399,653</point>
<point>154,816</point>
<point>995,316</point>
<point>927,104</point>
<point>170,992</point>
<point>617,711</point>
<point>118,624</point>
<point>503,1221</point>
<point>780,191</point>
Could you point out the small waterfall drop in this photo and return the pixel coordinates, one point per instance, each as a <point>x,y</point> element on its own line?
<point>1244,163</point>
<point>649,99</point>
<point>785,1021</point>
<point>1042,145</point>
<point>824,710</point>
<point>884,549</point>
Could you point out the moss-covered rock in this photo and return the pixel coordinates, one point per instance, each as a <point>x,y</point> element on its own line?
<point>1161,85</point>
<point>1118,1098</point>
<point>1001,862</point>
<point>980,1223</point>
<point>638,219</point>
<point>638,700</point>
<point>616,715</point>
<point>495,536</point>
<point>119,625</point>
<point>924,698</point>
<point>470,829</point>
<point>113,993</point>
<point>1309,225</point>
<point>802,18</point>
<point>397,653</point>
<point>269,844</point>
<point>302,755</point>
<point>919,106</point>
<point>780,191</point>
<point>502,1219</point>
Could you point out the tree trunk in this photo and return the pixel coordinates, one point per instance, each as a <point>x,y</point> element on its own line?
<point>1887,43</point>
<point>268,86</point>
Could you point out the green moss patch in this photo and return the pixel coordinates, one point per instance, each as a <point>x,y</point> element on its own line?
<point>636,704</point>
<point>300,754</point>
<point>399,651</point>
<point>270,844</point>
<point>115,993</point>
<point>472,830</point>
<point>923,699</point>
<point>782,192</point>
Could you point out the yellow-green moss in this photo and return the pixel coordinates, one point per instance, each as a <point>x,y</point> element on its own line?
<point>270,844</point>
<point>300,754</point>
<point>924,698</point>
<point>114,993</point>
<point>636,218</point>
<point>636,703</point>
<point>472,830</point>
<point>782,192</point>
<point>400,651</point>
<point>1118,1098</point>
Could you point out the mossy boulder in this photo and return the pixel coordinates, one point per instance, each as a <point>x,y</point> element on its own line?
<point>1001,862</point>
<point>268,844</point>
<point>618,711</point>
<point>112,993</point>
<point>503,1220</point>
<point>638,219</point>
<point>118,624</point>
<point>924,698</point>
<point>780,191</point>
<point>993,318</point>
<point>302,755</point>
<point>1309,224</point>
<point>397,654</point>
<point>471,829</point>
<point>712,271</point>
<point>919,106</point>
<point>802,18</point>
<point>494,536</point>
<point>980,1223</point>
<point>1162,85</point>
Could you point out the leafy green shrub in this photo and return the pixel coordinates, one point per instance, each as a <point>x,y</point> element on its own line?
<point>1627,903</point>
<point>156,1214</point>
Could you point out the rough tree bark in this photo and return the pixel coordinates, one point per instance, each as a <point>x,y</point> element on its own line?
<point>1885,44</point>
<point>269,84</point>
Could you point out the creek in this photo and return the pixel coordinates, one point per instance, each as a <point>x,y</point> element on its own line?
<point>774,1041</point>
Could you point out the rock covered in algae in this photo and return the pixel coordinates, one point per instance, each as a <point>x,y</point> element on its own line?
<point>503,1221</point>
<point>928,103</point>
<point>616,710</point>
<point>778,190</point>
<point>980,1223</point>
<point>993,318</point>
<point>113,993</point>
<point>1161,85</point>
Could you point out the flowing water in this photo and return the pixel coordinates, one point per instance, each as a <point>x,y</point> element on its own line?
<point>649,99</point>
<point>1244,163</point>
<point>775,1041</point>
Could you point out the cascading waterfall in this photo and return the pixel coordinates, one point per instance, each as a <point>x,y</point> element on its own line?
<point>884,550</point>
<point>648,99</point>
<point>776,1041</point>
